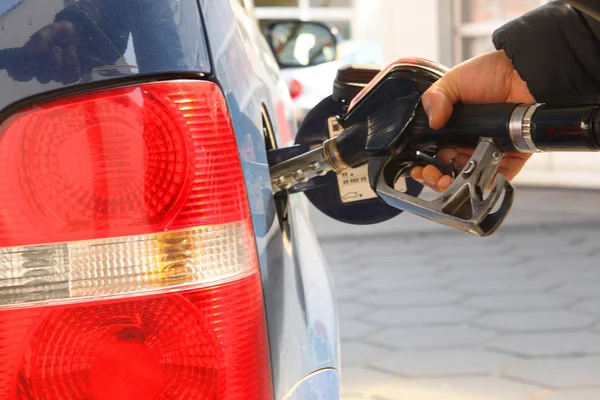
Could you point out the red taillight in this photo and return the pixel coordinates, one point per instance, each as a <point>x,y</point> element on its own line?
<point>123,162</point>
<point>295,88</point>
<point>128,267</point>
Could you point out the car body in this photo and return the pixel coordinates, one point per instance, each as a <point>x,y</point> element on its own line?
<point>218,43</point>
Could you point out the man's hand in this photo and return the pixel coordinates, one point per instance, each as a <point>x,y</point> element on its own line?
<point>490,78</point>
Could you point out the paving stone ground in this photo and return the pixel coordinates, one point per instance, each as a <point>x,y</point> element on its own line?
<point>430,314</point>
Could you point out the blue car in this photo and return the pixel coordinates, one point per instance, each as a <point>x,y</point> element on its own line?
<point>142,252</point>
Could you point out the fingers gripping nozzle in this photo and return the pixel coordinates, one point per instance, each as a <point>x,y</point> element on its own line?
<point>463,206</point>
<point>385,127</point>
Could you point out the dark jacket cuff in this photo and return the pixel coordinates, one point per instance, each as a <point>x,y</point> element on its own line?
<point>556,51</point>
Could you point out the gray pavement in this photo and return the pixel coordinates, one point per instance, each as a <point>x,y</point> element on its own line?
<point>431,314</point>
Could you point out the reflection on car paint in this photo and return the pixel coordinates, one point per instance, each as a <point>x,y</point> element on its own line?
<point>60,45</point>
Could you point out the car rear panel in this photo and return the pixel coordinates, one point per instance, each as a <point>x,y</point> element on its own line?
<point>299,295</point>
<point>161,42</point>
<point>168,36</point>
<point>128,259</point>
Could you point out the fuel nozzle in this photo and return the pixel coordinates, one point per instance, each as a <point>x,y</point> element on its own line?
<point>377,134</point>
<point>318,162</point>
<point>302,168</point>
<point>383,128</point>
<point>386,128</point>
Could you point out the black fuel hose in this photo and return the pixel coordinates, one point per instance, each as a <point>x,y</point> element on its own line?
<point>514,127</point>
<point>523,128</point>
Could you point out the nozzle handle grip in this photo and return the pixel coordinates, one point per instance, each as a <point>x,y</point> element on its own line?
<point>468,123</point>
<point>526,128</point>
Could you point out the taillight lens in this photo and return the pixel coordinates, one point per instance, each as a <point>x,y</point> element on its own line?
<point>128,266</point>
<point>296,88</point>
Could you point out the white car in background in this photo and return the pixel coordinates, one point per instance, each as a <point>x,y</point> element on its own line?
<point>309,85</point>
<point>311,80</point>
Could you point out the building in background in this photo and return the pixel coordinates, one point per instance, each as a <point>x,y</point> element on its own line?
<point>447,31</point>
<point>386,24</point>
<point>339,13</point>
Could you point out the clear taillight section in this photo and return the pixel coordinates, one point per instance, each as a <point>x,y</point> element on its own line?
<point>94,268</point>
<point>128,266</point>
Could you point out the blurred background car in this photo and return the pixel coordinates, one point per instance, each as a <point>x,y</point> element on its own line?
<point>310,79</point>
<point>311,84</point>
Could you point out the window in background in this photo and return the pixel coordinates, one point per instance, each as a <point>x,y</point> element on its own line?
<point>476,20</point>
<point>343,27</point>
<point>331,3</point>
<point>276,3</point>
<point>338,13</point>
<point>247,5</point>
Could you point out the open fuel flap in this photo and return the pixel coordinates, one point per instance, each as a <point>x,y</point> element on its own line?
<point>347,196</point>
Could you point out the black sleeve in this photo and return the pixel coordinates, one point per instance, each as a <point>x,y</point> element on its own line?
<point>556,50</point>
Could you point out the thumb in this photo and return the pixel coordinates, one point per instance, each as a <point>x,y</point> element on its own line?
<point>438,101</point>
